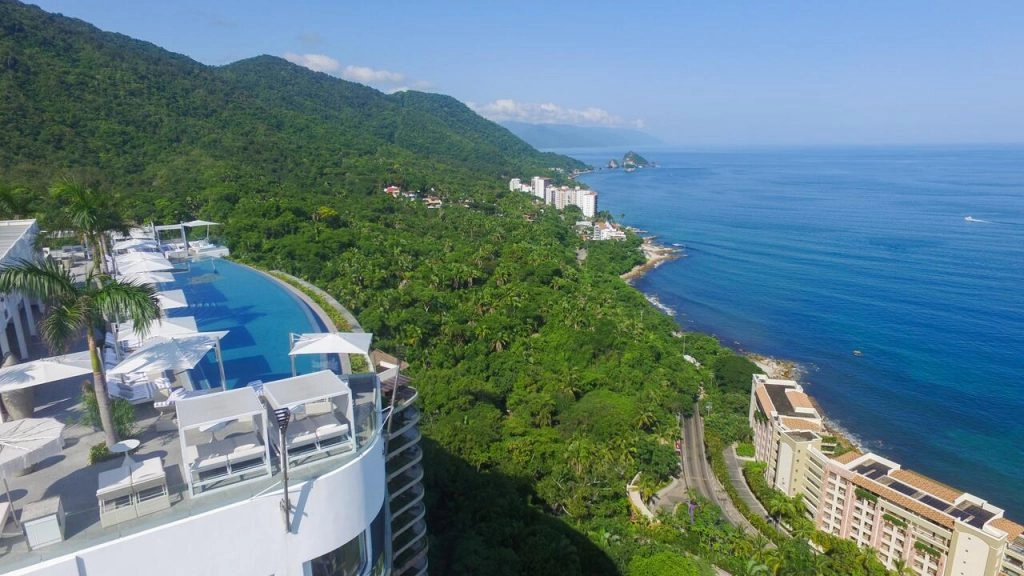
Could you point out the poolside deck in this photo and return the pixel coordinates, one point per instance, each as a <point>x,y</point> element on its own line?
<point>70,476</point>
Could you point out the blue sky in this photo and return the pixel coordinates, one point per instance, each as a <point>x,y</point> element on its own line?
<point>711,73</point>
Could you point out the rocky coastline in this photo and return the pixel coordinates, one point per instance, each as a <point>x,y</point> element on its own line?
<point>655,255</point>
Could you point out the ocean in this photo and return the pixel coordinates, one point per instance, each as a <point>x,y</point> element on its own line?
<point>913,256</point>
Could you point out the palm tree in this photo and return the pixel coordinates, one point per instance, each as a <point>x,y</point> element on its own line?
<point>89,213</point>
<point>74,307</point>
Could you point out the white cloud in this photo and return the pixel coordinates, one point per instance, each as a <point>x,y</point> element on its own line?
<point>315,62</point>
<point>385,80</point>
<point>368,75</point>
<point>550,113</point>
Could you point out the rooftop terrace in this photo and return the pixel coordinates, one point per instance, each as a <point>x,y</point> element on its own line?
<point>924,495</point>
<point>71,477</point>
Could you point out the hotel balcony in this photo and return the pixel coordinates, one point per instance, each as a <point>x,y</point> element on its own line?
<point>404,473</point>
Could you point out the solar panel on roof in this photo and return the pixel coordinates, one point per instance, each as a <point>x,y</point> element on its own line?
<point>903,488</point>
<point>934,502</point>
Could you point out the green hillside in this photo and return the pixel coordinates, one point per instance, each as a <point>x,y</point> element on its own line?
<point>128,115</point>
<point>546,382</point>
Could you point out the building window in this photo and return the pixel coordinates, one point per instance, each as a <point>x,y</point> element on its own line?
<point>349,559</point>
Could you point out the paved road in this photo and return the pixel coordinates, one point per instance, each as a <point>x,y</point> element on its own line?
<point>698,475</point>
<point>740,483</point>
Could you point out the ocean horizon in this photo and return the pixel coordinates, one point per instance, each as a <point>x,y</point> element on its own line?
<point>911,255</point>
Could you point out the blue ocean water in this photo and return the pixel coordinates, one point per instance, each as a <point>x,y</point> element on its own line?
<point>258,314</point>
<point>810,254</point>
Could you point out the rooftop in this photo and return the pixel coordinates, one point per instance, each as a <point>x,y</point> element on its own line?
<point>933,500</point>
<point>71,477</point>
<point>11,231</point>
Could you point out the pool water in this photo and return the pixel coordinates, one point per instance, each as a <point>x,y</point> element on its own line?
<point>258,314</point>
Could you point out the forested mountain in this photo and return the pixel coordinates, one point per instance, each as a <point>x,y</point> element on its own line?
<point>546,382</point>
<point>76,99</point>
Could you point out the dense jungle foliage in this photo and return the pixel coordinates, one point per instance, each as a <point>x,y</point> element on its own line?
<point>546,382</point>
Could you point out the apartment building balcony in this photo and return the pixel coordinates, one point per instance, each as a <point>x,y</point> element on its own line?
<point>398,444</point>
<point>410,538</point>
<point>402,421</point>
<point>412,562</point>
<point>404,461</point>
<point>406,500</point>
<point>406,520</point>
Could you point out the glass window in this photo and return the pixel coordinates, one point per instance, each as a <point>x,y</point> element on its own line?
<point>347,560</point>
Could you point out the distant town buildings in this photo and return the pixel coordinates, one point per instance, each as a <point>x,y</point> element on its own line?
<point>559,197</point>
<point>932,528</point>
<point>431,201</point>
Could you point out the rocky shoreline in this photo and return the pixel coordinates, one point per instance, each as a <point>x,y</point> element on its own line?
<point>655,255</point>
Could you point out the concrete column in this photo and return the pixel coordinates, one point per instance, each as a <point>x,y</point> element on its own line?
<point>32,328</point>
<point>5,343</point>
<point>19,332</point>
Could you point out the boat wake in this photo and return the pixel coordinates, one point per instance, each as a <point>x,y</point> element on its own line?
<point>976,220</point>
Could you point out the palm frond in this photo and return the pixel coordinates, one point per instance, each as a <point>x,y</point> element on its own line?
<point>63,323</point>
<point>46,280</point>
<point>127,300</point>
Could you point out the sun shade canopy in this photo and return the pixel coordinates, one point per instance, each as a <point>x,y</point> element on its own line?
<point>297,390</point>
<point>36,372</point>
<point>218,407</point>
<point>332,343</point>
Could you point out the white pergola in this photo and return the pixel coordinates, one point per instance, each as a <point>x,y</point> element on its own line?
<point>322,404</point>
<point>173,353</point>
<point>165,327</point>
<point>215,460</point>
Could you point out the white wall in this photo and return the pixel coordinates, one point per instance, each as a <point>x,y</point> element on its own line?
<point>246,538</point>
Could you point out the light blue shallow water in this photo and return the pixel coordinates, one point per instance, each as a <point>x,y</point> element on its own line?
<point>811,254</point>
<point>258,314</point>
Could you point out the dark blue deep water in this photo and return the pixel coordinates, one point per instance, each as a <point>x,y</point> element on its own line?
<point>809,254</point>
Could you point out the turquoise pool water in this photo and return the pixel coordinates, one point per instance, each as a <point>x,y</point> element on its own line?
<point>258,314</point>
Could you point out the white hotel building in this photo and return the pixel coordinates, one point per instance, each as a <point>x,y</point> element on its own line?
<point>203,489</point>
<point>934,529</point>
<point>560,197</point>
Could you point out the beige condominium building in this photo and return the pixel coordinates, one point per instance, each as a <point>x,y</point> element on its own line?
<point>933,528</point>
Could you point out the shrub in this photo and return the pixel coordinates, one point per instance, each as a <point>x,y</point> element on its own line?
<point>99,453</point>
<point>745,449</point>
<point>121,412</point>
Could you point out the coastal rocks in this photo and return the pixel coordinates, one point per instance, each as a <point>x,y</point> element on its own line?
<point>655,255</point>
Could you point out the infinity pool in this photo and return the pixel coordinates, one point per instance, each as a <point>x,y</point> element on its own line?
<point>258,314</point>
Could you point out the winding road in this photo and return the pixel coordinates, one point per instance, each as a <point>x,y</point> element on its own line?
<point>697,473</point>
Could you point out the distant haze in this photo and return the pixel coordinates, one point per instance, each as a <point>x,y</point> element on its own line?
<point>547,136</point>
<point>712,73</point>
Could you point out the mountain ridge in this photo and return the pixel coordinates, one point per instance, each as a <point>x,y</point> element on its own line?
<point>129,115</point>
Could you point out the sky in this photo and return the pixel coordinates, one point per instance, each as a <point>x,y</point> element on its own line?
<point>709,73</point>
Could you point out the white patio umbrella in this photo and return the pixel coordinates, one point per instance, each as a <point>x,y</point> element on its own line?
<point>145,265</point>
<point>44,371</point>
<point>136,243</point>
<point>26,442</point>
<point>148,277</point>
<point>172,353</point>
<point>170,299</point>
<point>166,327</point>
<point>330,343</point>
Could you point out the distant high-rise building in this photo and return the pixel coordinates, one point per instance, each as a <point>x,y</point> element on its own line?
<point>515,185</point>
<point>539,187</point>
<point>587,201</point>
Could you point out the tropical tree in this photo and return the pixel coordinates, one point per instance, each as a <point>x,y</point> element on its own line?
<point>89,213</point>
<point>76,306</point>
